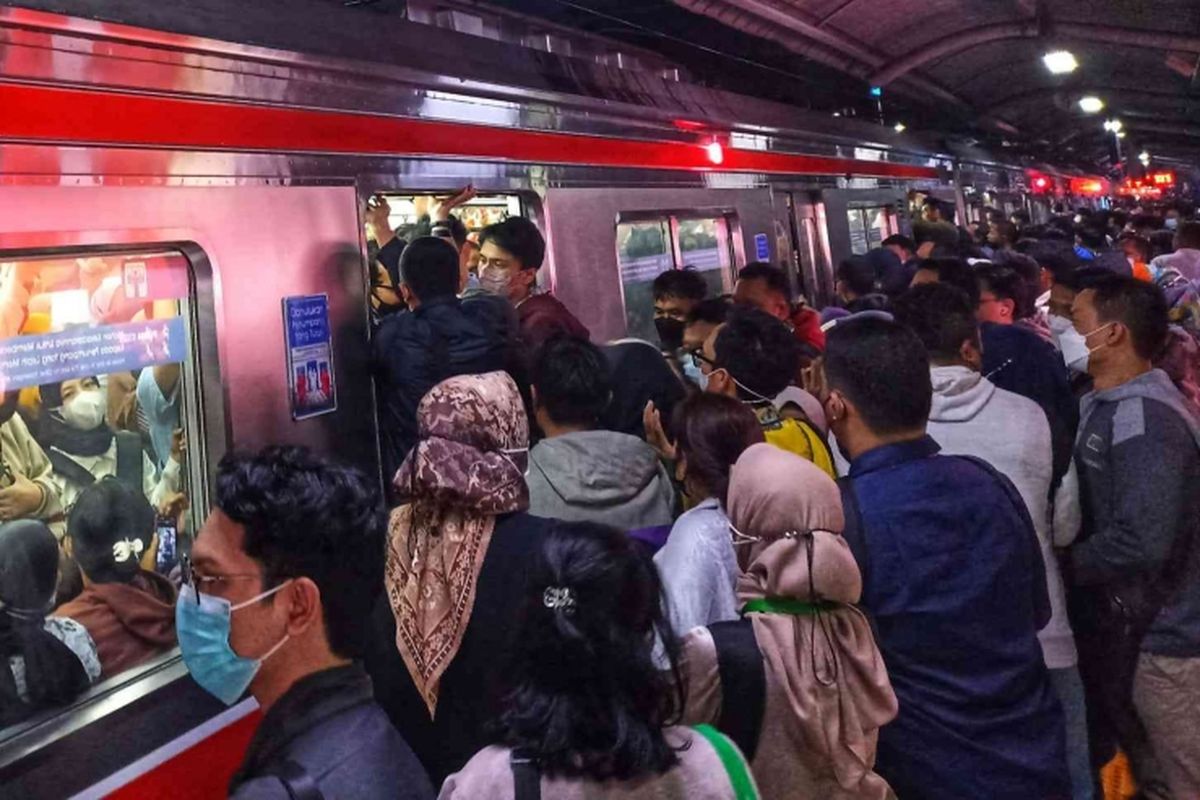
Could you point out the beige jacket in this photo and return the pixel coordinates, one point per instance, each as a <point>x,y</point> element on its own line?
<point>24,456</point>
<point>699,775</point>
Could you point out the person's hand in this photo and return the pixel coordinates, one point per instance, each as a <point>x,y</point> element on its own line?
<point>173,504</point>
<point>21,499</point>
<point>442,212</point>
<point>376,216</point>
<point>178,444</point>
<point>656,437</point>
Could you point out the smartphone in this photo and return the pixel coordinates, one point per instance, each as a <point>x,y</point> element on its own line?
<point>168,545</point>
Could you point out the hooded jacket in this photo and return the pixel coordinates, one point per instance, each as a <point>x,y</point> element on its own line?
<point>130,622</point>
<point>971,416</point>
<point>1185,259</point>
<point>1138,454</point>
<point>543,316</point>
<point>601,476</point>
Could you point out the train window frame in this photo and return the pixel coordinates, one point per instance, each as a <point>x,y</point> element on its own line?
<point>728,236</point>
<point>202,412</point>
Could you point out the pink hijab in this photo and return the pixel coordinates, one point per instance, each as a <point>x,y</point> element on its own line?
<point>827,663</point>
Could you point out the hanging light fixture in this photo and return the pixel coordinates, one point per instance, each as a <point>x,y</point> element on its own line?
<point>1060,62</point>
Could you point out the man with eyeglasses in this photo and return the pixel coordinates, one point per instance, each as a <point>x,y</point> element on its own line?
<point>280,581</point>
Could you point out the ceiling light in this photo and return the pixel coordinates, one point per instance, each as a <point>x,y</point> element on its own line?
<point>1120,134</point>
<point>1060,62</point>
<point>1112,125</point>
<point>1144,157</point>
<point>900,127</point>
<point>1090,104</point>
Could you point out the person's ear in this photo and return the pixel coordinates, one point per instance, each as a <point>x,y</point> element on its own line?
<point>836,408</point>
<point>1008,308</point>
<point>970,353</point>
<point>407,295</point>
<point>533,396</point>
<point>303,606</point>
<point>721,382</point>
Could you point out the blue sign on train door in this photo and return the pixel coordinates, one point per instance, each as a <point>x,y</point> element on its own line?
<point>309,355</point>
<point>762,250</point>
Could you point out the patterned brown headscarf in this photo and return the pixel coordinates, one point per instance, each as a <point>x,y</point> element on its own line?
<point>467,467</point>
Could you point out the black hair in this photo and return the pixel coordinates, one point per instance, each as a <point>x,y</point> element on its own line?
<point>1163,242</point>
<point>758,351</point>
<point>1006,230</point>
<point>1139,306</point>
<point>883,369</point>
<point>899,240</point>
<point>458,230</point>
<point>712,431</point>
<point>714,310</point>
<point>54,675</point>
<point>108,512</point>
<point>518,236</point>
<point>572,380</point>
<point>1141,245</point>
<point>1085,277</point>
<point>305,516</point>
<point>955,272</point>
<point>858,274</point>
<point>1091,236</point>
<point>685,284</point>
<point>1004,282</point>
<point>776,281</point>
<point>429,266</point>
<point>1189,235</point>
<point>1022,218</point>
<point>587,698</point>
<point>941,316</point>
<point>1057,257</point>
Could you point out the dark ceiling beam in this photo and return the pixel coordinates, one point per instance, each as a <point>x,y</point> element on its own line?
<point>970,38</point>
<point>1147,96</point>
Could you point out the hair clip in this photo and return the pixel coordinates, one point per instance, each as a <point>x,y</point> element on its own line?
<point>559,597</point>
<point>126,549</point>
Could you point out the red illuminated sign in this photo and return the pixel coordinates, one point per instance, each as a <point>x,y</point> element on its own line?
<point>1088,186</point>
<point>1161,178</point>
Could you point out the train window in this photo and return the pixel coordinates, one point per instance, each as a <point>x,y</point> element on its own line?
<point>649,246</point>
<point>98,427</point>
<point>869,227</point>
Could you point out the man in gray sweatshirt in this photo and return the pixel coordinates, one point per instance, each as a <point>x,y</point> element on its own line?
<point>969,415</point>
<point>581,473</point>
<point>1136,567</point>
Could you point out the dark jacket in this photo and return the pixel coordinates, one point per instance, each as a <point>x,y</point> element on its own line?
<point>1138,456</point>
<point>472,686</point>
<point>954,585</point>
<point>543,317</point>
<point>329,725</point>
<point>1018,360</point>
<point>640,373</point>
<point>413,352</point>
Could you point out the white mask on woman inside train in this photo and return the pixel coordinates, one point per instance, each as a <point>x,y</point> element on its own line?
<point>86,410</point>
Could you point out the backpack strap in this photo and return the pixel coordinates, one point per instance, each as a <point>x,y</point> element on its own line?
<point>130,459</point>
<point>299,784</point>
<point>743,683</point>
<point>854,531</point>
<point>69,468</point>
<point>735,765</point>
<point>527,778</point>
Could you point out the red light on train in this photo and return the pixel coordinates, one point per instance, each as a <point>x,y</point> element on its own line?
<point>1162,178</point>
<point>1087,186</point>
<point>715,152</point>
<point>1041,183</point>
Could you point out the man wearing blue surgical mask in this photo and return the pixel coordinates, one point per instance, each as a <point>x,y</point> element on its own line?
<point>277,590</point>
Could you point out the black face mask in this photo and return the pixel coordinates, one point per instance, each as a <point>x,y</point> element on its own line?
<point>670,332</point>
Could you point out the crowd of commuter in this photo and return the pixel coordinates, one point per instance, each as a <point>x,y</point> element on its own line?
<point>936,540</point>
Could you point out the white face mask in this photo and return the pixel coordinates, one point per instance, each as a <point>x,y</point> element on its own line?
<point>85,411</point>
<point>1058,326</point>
<point>494,281</point>
<point>1075,348</point>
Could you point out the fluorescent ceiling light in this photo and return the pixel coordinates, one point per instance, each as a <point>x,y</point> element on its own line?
<point>1112,125</point>
<point>1060,62</point>
<point>1090,104</point>
<point>900,127</point>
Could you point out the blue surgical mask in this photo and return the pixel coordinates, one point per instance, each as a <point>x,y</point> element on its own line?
<point>202,625</point>
<point>1171,223</point>
<point>692,371</point>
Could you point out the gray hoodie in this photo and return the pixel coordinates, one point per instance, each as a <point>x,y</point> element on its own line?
<point>1138,453</point>
<point>600,476</point>
<point>972,416</point>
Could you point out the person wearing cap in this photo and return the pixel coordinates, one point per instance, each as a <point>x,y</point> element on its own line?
<point>752,357</point>
<point>440,338</point>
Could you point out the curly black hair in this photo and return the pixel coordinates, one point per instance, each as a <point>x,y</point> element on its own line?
<point>305,516</point>
<point>586,697</point>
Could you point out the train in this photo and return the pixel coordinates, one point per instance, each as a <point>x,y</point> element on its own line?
<point>223,171</point>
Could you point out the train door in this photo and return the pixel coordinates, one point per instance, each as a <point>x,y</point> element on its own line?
<point>810,248</point>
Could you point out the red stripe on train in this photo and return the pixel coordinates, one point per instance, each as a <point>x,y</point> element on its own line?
<point>201,772</point>
<point>88,116</point>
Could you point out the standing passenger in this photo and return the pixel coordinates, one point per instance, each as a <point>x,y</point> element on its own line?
<point>441,337</point>
<point>580,472</point>
<point>972,416</point>
<point>279,585</point>
<point>676,293</point>
<point>589,716</point>
<point>810,718</point>
<point>457,558</point>
<point>697,563</point>
<point>1137,565</point>
<point>953,580</point>
<point>765,287</point>
<point>510,254</point>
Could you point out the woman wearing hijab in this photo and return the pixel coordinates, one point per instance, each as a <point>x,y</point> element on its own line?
<point>457,558</point>
<point>44,661</point>
<point>811,679</point>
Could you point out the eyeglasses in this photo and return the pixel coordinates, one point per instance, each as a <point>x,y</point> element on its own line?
<point>199,582</point>
<point>699,358</point>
